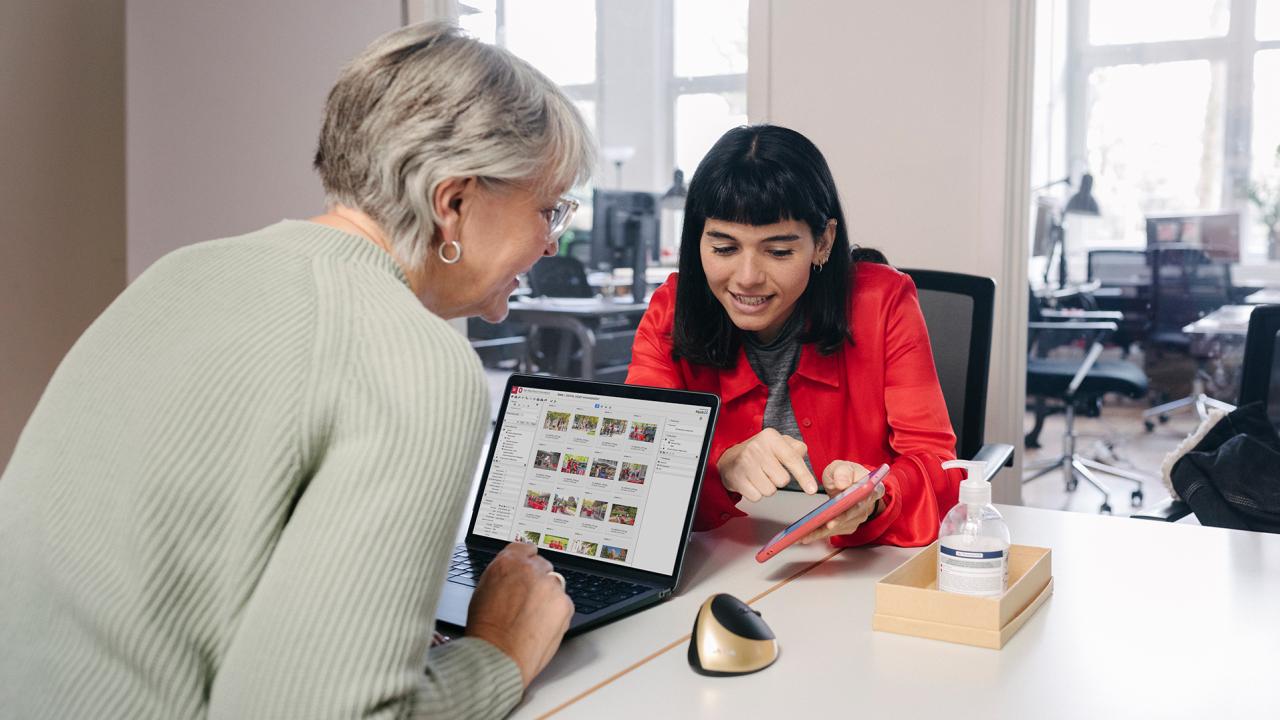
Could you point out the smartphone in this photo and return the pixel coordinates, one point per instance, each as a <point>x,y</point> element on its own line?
<point>822,514</point>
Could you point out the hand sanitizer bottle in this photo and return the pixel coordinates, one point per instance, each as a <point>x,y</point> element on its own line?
<point>973,541</point>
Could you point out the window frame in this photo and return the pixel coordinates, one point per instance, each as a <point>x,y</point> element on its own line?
<point>658,132</point>
<point>1235,51</point>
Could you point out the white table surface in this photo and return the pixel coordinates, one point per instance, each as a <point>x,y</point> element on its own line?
<point>1226,320</point>
<point>1266,296</point>
<point>1147,620</point>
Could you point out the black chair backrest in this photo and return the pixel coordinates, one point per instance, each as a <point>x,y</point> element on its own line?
<point>559,276</point>
<point>959,312</point>
<point>579,250</point>
<point>1259,379</point>
<point>1186,285</point>
<point>1119,267</point>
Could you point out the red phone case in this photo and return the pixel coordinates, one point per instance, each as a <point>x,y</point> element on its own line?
<point>820,515</point>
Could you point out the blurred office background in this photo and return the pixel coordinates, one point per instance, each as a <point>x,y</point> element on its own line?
<point>960,135</point>
<point>1155,179</point>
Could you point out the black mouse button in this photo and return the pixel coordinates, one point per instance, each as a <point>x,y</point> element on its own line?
<point>738,618</point>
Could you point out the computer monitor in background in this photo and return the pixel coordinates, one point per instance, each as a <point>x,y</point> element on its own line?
<point>1045,238</point>
<point>1042,240</point>
<point>1217,233</point>
<point>624,233</point>
<point>622,221</point>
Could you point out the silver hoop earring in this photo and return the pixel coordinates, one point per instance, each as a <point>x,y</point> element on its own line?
<point>817,268</point>
<point>457,252</point>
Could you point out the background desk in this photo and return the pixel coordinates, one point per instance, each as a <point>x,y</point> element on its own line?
<point>584,319</point>
<point>1147,620</point>
<point>1265,296</point>
<point>1217,344</point>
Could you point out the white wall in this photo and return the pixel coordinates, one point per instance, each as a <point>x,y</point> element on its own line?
<point>921,108</point>
<point>62,204</point>
<point>224,107</point>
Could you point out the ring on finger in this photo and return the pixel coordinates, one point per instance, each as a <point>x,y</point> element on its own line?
<point>559,577</point>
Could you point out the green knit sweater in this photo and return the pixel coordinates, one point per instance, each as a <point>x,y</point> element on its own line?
<point>238,496</point>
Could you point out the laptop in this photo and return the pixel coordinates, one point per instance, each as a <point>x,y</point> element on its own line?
<point>602,478</point>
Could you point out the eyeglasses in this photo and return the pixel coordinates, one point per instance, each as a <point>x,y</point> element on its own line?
<point>558,217</point>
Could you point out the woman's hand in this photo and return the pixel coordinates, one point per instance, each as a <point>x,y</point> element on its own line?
<point>520,607</point>
<point>838,476</point>
<point>758,466</point>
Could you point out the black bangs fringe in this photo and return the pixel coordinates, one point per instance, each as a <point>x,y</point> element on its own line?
<point>753,192</point>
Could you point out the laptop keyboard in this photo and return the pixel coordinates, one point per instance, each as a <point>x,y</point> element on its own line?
<point>589,592</point>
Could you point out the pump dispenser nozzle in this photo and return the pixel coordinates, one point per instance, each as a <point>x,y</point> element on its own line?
<point>974,490</point>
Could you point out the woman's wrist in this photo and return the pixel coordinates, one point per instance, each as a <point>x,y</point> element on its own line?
<point>726,459</point>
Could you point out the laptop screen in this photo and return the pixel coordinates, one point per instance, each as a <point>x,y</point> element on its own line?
<point>599,476</point>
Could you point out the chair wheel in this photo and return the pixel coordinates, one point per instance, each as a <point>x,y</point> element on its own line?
<point>1136,497</point>
<point>1150,426</point>
<point>1105,509</point>
<point>1071,485</point>
<point>1164,419</point>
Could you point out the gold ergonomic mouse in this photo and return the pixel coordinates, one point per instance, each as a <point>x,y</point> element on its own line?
<point>729,638</point>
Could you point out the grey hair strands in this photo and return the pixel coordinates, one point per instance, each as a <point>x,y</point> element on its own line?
<point>428,102</point>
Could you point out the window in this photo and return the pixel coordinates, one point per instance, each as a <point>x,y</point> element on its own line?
<point>556,36</point>
<point>710,75</point>
<point>1119,22</point>
<point>1172,106</point>
<point>659,81</point>
<point>1153,140</point>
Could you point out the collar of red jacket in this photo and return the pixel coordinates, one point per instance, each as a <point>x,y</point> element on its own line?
<point>740,379</point>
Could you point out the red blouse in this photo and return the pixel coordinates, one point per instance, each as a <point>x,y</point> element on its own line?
<point>875,401</point>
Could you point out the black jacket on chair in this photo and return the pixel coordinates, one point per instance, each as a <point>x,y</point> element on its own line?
<point>1231,478</point>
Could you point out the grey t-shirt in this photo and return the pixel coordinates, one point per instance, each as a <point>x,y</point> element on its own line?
<point>774,363</point>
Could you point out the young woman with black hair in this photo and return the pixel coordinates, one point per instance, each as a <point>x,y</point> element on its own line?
<point>819,353</point>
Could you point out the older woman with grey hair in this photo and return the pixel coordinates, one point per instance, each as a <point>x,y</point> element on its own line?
<point>239,493</point>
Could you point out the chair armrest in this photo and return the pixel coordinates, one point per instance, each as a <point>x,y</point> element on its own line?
<point>1104,315</point>
<point>996,456</point>
<point>1168,511</point>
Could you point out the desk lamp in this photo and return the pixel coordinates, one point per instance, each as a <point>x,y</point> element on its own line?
<point>1081,203</point>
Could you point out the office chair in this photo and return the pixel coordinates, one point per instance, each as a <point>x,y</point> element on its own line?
<point>557,351</point>
<point>1186,285</point>
<point>1259,381</point>
<point>1070,303</point>
<point>959,313</point>
<point>559,276</point>
<point>501,346</point>
<point>556,276</point>
<point>1080,383</point>
<point>1124,286</point>
<point>579,248</point>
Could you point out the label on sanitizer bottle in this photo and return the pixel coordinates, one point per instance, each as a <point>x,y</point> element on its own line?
<point>968,568</point>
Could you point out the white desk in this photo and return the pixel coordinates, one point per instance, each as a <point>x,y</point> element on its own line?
<point>1265,296</point>
<point>580,316</point>
<point>1147,620</point>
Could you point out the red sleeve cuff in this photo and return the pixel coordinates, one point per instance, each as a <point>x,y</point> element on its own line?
<point>716,505</point>
<point>871,530</point>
